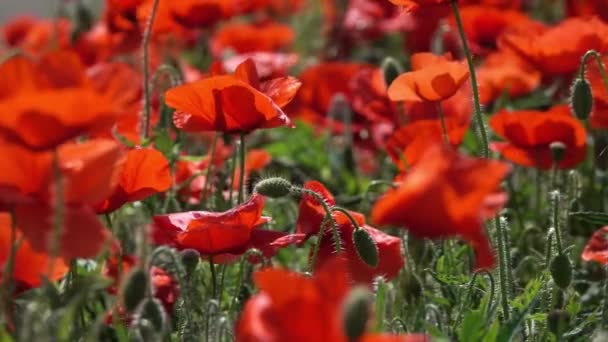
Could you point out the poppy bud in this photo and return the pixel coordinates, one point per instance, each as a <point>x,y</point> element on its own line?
<point>558,150</point>
<point>366,247</point>
<point>558,321</point>
<point>274,187</point>
<point>391,69</point>
<point>357,311</point>
<point>412,287</point>
<point>190,258</point>
<point>135,289</point>
<point>561,271</point>
<point>581,99</point>
<point>152,310</point>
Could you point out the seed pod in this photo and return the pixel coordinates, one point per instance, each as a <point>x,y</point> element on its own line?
<point>558,321</point>
<point>391,69</point>
<point>561,271</point>
<point>558,151</point>
<point>357,312</point>
<point>581,99</point>
<point>135,289</point>
<point>275,187</point>
<point>366,247</point>
<point>190,258</point>
<point>152,310</point>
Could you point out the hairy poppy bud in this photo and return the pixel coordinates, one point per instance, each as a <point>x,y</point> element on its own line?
<point>558,150</point>
<point>561,271</point>
<point>357,311</point>
<point>152,310</point>
<point>582,98</point>
<point>190,259</point>
<point>558,321</point>
<point>135,289</point>
<point>366,247</point>
<point>391,69</point>
<point>274,187</point>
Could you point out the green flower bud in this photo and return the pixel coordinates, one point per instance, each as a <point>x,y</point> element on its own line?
<point>135,288</point>
<point>561,271</point>
<point>391,69</point>
<point>190,258</point>
<point>366,247</point>
<point>581,99</point>
<point>152,310</point>
<point>357,312</point>
<point>274,187</point>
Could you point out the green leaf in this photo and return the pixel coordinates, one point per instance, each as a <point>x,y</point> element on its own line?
<point>592,217</point>
<point>473,326</point>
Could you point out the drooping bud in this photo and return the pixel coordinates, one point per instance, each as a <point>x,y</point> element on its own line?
<point>357,312</point>
<point>581,99</point>
<point>558,151</point>
<point>366,247</point>
<point>561,271</point>
<point>135,288</point>
<point>152,310</point>
<point>274,187</point>
<point>190,258</point>
<point>391,69</point>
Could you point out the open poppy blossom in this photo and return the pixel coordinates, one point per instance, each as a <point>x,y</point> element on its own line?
<point>447,195</point>
<point>223,234</point>
<point>30,266</point>
<point>244,38</point>
<point>144,173</point>
<point>433,78</point>
<point>50,101</point>
<point>529,134</point>
<point>284,294</point>
<point>597,247</point>
<point>88,174</point>
<point>310,218</point>
<point>544,48</point>
<point>199,13</point>
<point>237,103</point>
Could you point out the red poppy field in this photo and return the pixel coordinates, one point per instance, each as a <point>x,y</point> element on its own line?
<point>305,170</point>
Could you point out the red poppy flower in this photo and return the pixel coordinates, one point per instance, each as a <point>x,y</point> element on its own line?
<point>447,195</point>
<point>412,140</point>
<point>232,103</point>
<point>505,72</point>
<point>49,102</point>
<point>268,64</point>
<point>544,48</point>
<point>144,173</point>
<point>30,266</point>
<point>529,134</point>
<point>412,5</point>
<point>597,247</point>
<point>368,19</point>
<point>578,8</point>
<point>268,316</point>
<point>243,38</point>
<point>310,218</point>
<point>34,35</point>
<point>88,174</point>
<point>199,13</point>
<point>434,78</point>
<point>217,234</point>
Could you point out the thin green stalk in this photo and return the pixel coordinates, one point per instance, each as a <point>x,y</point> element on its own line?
<point>146,71</point>
<point>232,176</point>
<point>502,269</point>
<point>209,168</point>
<point>213,278</point>
<point>444,128</point>
<point>242,148</point>
<point>478,113</point>
<point>600,66</point>
<point>328,213</point>
<point>555,199</point>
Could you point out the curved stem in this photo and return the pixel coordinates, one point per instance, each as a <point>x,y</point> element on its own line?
<point>600,66</point>
<point>328,213</point>
<point>146,52</point>
<point>348,215</point>
<point>478,114</point>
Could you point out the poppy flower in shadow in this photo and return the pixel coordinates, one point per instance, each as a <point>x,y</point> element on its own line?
<point>433,78</point>
<point>597,247</point>
<point>199,13</point>
<point>412,5</point>
<point>144,173</point>
<point>244,38</point>
<point>447,195</point>
<point>544,47</point>
<point>87,173</point>
<point>30,266</point>
<point>529,134</point>
<point>284,294</point>
<point>218,234</point>
<point>50,101</point>
<point>237,103</point>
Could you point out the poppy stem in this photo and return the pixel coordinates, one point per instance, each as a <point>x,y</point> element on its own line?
<point>444,128</point>
<point>478,114</point>
<point>213,277</point>
<point>146,71</point>
<point>242,147</point>
<point>600,66</point>
<point>555,200</point>
<point>503,263</point>
<point>209,169</point>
